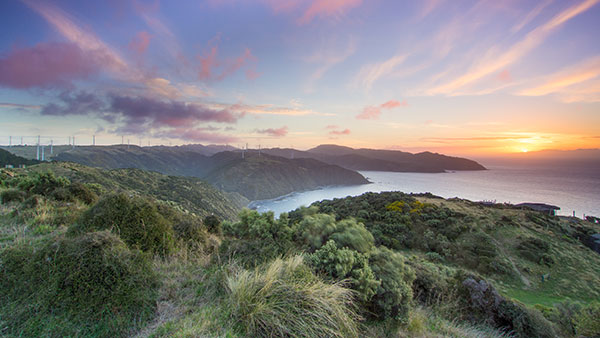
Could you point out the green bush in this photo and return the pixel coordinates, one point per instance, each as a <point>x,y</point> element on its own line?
<point>536,250</point>
<point>285,299</point>
<point>315,230</point>
<point>83,193</point>
<point>136,220</point>
<point>433,283</point>
<point>43,183</point>
<point>257,237</point>
<point>339,264</point>
<point>91,285</point>
<point>394,294</point>
<point>212,224</point>
<point>12,195</point>
<point>524,322</point>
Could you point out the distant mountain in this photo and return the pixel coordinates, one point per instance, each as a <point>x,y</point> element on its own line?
<point>7,158</point>
<point>381,160</point>
<point>255,177</point>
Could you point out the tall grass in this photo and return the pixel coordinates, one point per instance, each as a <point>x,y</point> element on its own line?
<point>285,299</point>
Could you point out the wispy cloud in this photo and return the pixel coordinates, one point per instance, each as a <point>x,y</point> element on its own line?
<point>531,15</point>
<point>374,112</point>
<point>371,73</point>
<point>327,58</point>
<point>573,75</point>
<point>492,62</point>
<point>269,109</point>
<point>327,8</point>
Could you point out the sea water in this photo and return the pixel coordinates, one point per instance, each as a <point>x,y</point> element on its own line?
<point>573,189</point>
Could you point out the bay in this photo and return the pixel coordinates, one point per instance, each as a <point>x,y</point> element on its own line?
<point>573,189</point>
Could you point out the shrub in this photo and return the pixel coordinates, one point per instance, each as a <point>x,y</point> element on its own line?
<point>394,293</point>
<point>524,322</point>
<point>340,264</point>
<point>286,300</point>
<point>136,220</point>
<point>43,183</point>
<point>12,195</point>
<point>433,283</point>
<point>212,224</point>
<point>536,250</point>
<point>91,285</point>
<point>258,238</point>
<point>83,193</point>
<point>315,230</point>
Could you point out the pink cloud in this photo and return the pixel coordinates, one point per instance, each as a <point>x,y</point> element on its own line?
<point>504,76</point>
<point>374,112</point>
<point>340,132</point>
<point>323,8</point>
<point>47,64</point>
<point>393,104</point>
<point>211,68</point>
<point>140,42</point>
<point>279,132</point>
<point>207,63</point>
<point>252,74</point>
<point>331,126</point>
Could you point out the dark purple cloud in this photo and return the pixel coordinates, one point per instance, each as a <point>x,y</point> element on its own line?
<point>47,65</point>
<point>135,115</point>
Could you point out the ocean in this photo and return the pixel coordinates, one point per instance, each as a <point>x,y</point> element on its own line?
<point>572,188</point>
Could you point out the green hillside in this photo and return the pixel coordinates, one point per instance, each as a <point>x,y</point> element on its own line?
<point>125,252</point>
<point>7,158</point>
<point>265,176</point>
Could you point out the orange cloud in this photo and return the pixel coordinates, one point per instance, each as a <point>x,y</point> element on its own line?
<point>558,82</point>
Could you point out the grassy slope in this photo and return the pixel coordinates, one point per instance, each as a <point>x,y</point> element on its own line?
<point>189,193</point>
<point>575,275</point>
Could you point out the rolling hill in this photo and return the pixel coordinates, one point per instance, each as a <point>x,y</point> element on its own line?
<point>255,176</point>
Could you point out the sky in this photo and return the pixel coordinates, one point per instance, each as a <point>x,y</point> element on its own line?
<point>455,77</point>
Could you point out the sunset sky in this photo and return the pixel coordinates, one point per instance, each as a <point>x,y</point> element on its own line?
<point>457,77</point>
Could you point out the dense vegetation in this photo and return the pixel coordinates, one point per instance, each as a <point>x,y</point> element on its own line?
<point>89,252</point>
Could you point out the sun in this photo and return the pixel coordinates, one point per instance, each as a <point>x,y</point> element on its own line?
<point>524,150</point>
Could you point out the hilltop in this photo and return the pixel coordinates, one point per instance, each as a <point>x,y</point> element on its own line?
<point>381,160</point>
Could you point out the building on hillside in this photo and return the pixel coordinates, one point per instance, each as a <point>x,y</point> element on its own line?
<point>541,207</point>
